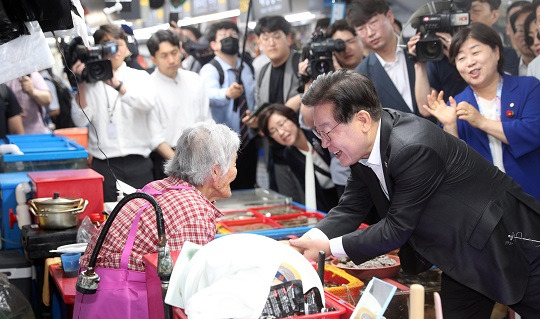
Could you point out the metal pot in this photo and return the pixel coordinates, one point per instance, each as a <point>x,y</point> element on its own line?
<point>57,212</point>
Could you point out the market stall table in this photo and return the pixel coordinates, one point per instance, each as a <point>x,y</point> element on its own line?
<point>66,288</point>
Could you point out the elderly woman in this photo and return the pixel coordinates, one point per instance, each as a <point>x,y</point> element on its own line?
<point>497,114</point>
<point>201,171</point>
<point>304,154</point>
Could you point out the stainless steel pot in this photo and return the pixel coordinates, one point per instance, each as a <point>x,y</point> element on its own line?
<point>57,212</point>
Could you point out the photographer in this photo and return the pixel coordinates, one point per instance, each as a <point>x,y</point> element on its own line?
<point>353,54</point>
<point>121,108</point>
<point>441,75</point>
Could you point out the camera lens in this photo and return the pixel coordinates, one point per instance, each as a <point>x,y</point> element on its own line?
<point>322,67</point>
<point>429,50</point>
<point>433,49</point>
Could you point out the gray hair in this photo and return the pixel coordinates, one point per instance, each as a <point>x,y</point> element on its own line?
<point>200,146</point>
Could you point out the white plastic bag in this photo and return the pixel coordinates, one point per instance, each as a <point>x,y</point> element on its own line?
<point>25,54</point>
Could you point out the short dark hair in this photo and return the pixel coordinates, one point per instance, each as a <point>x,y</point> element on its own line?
<point>193,30</point>
<point>482,33</point>
<point>271,24</point>
<point>360,12</point>
<point>112,30</point>
<point>349,92</point>
<point>276,108</point>
<point>162,36</point>
<point>493,4</point>
<point>526,27</point>
<point>524,9</point>
<point>514,4</point>
<point>222,25</point>
<point>339,25</point>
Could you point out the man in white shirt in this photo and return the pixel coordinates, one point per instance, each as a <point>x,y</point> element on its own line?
<point>387,65</point>
<point>181,96</point>
<point>124,127</point>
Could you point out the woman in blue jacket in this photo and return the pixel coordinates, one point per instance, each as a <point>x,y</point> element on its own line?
<point>497,114</point>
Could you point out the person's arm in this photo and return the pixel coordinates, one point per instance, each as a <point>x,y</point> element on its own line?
<point>41,97</point>
<point>15,125</point>
<point>294,102</point>
<point>469,113</point>
<point>14,114</point>
<point>218,96</point>
<point>421,81</point>
<point>445,114</point>
<point>165,151</point>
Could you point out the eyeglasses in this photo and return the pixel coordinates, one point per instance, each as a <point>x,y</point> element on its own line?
<point>276,35</point>
<point>278,127</point>
<point>372,24</point>
<point>322,134</point>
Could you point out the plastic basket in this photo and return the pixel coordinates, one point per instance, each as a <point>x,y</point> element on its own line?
<point>331,302</point>
<point>350,286</point>
<point>77,134</point>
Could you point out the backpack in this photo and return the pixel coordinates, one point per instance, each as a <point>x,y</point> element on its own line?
<point>216,64</point>
<point>63,120</point>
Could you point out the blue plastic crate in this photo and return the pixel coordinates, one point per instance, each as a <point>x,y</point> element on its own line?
<point>43,152</point>
<point>10,230</point>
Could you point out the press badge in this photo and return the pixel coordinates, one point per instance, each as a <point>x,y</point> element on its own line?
<point>111,131</point>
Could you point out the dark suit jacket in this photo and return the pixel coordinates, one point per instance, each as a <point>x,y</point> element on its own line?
<point>388,94</point>
<point>447,202</point>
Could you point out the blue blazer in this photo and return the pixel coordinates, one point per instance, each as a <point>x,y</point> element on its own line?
<point>520,117</point>
<point>388,94</point>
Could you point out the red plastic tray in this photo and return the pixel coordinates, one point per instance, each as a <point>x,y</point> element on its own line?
<point>282,219</point>
<point>249,225</point>
<point>281,210</point>
<point>338,312</point>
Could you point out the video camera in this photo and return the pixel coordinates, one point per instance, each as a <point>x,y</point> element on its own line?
<point>97,68</point>
<point>452,15</point>
<point>200,51</point>
<point>319,53</point>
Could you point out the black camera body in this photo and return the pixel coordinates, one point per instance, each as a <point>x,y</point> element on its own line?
<point>97,68</point>
<point>200,51</point>
<point>430,47</point>
<point>319,54</point>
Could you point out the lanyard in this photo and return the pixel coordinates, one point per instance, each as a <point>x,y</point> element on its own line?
<point>497,97</point>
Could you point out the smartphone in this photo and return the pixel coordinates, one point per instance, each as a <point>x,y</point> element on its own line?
<point>258,110</point>
<point>173,16</point>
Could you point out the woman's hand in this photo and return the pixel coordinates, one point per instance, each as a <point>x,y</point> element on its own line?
<point>438,108</point>
<point>469,113</point>
<point>252,122</point>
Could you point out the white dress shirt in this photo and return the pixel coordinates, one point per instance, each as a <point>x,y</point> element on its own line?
<point>397,71</point>
<point>181,101</point>
<point>125,124</point>
<point>375,163</point>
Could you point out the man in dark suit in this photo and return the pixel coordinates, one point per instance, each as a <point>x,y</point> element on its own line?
<point>439,201</point>
<point>388,65</point>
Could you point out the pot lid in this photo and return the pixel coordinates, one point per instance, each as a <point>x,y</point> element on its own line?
<point>57,200</point>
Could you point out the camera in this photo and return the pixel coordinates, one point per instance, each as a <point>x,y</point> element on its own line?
<point>97,68</point>
<point>449,20</point>
<point>200,51</point>
<point>319,53</point>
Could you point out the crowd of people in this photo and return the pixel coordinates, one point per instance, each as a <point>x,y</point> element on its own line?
<point>441,157</point>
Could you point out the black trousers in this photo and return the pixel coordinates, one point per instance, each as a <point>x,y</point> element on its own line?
<point>246,165</point>
<point>134,170</point>
<point>461,302</point>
